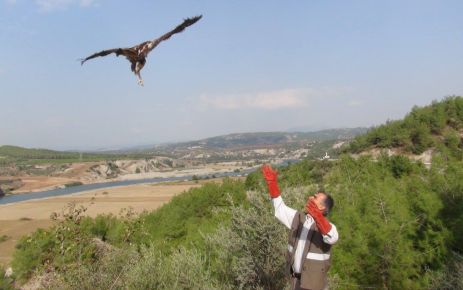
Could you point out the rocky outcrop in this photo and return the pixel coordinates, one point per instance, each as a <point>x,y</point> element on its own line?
<point>113,169</point>
<point>9,184</point>
<point>425,157</point>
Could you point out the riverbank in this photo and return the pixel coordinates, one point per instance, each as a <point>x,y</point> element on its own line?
<point>80,175</point>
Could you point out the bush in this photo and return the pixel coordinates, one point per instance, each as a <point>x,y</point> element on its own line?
<point>32,252</point>
<point>65,243</point>
<point>108,271</point>
<point>447,180</point>
<point>250,253</point>
<point>126,228</point>
<point>418,131</point>
<point>6,283</point>
<point>187,216</point>
<point>4,238</point>
<point>398,165</point>
<point>390,230</point>
<point>72,184</point>
<point>147,268</point>
<point>451,277</point>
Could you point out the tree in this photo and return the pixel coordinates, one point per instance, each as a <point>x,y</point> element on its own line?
<point>390,228</point>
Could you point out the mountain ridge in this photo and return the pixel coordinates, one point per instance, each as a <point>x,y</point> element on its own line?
<point>215,142</point>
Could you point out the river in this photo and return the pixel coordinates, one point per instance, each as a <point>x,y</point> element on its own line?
<point>80,188</point>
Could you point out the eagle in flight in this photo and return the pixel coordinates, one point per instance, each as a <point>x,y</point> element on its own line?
<point>137,54</point>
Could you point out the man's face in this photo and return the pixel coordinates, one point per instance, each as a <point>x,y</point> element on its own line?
<point>319,199</point>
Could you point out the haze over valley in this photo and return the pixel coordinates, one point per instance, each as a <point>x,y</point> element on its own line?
<point>26,170</point>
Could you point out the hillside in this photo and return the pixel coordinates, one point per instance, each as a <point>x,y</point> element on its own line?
<point>270,138</point>
<point>15,152</point>
<point>232,152</point>
<point>400,226</point>
<point>257,146</point>
<point>231,141</point>
<point>247,148</point>
<point>437,126</point>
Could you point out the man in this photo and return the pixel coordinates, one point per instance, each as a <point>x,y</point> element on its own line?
<point>310,238</point>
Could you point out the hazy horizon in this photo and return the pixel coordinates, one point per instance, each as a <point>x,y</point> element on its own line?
<point>244,67</point>
<point>135,145</point>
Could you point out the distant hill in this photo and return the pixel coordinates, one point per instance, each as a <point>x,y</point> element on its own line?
<point>10,153</point>
<point>439,125</point>
<point>269,138</point>
<point>20,152</point>
<point>15,154</point>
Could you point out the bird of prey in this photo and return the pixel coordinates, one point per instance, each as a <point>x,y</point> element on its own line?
<point>137,54</point>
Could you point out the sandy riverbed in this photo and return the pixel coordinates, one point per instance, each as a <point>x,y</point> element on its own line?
<point>22,218</point>
<point>80,174</point>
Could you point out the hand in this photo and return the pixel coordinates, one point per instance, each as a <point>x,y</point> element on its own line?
<point>323,224</point>
<point>270,176</point>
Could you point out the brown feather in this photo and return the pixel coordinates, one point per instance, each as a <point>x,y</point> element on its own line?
<point>138,53</point>
<point>101,53</point>
<point>187,22</point>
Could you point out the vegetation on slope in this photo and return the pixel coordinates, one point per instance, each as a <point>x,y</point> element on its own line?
<point>19,155</point>
<point>393,234</point>
<point>400,225</point>
<point>421,129</point>
<point>271,138</point>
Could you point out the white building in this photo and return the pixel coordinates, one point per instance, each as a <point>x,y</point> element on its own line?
<point>326,156</point>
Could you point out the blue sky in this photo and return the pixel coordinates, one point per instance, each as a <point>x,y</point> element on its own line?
<point>245,66</point>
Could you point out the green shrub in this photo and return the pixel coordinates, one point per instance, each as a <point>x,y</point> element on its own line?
<point>32,252</point>
<point>250,253</point>
<point>418,131</point>
<point>72,184</point>
<point>390,230</point>
<point>6,283</point>
<point>108,271</point>
<point>147,268</point>
<point>4,238</point>
<point>187,216</point>
<point>398,165</point>
<point>58,247</point>
<point>446,178</point>
<point>451,277</point>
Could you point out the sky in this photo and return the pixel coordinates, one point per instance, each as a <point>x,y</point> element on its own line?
<point>246,66</point>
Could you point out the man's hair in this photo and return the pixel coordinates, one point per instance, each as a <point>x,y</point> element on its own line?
<point>329,203</point>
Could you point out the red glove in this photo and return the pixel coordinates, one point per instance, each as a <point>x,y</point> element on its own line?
<point>323,224</point>
<point>270,176</point>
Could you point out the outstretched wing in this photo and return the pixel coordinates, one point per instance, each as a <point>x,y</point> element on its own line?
<point>150,45</point>
<point>103,53</point>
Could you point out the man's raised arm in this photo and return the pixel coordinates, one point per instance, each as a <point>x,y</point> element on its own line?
<point>283,213</point>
